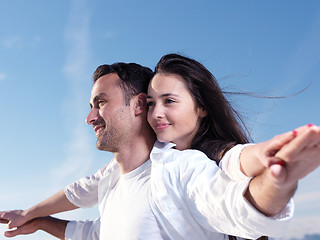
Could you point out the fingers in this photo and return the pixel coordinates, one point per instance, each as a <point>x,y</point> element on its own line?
<point>4,221</point>
<point>6,217</point>
<point>28,228</point>
<point>279,141</point>
<point>306,139</point>
<point>14,218</point>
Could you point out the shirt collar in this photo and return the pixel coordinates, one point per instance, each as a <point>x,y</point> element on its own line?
<point>162,146</point>
<point>162,152</point>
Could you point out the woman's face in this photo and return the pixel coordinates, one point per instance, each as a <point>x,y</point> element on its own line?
<point>172,112</point>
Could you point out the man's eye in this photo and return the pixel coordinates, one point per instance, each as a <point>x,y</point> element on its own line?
<point>101,102</point>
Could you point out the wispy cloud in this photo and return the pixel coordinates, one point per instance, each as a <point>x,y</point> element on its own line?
<point>302,226</point>
<point>306,198</point>
<point>12,42</point>
<point>296,74</point>
<point>79,155</point>
<point>17,41</point>
<point>3,76</point>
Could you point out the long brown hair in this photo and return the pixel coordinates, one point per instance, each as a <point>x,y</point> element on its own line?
<point>223,126</point>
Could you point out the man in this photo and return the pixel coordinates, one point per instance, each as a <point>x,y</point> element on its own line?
<point>118,116</point>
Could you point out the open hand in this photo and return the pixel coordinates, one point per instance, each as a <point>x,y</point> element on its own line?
<point>300,157</point>
<point>14,218</point>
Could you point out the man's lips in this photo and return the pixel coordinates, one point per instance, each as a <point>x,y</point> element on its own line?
<point>162,126</point>
<point>98,130</point>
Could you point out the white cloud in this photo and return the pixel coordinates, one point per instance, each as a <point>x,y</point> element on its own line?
<point>307,198</point>
<point>2,77</point>
<point>12,42</point>
<point>302,226</point>
<point>17,42</point>
<point>78,159</point>
<point>79,151</point>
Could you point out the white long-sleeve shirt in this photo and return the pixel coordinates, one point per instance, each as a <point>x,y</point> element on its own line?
<point>189,196</point>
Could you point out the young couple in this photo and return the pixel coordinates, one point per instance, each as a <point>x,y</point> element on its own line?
<point>167,188</point>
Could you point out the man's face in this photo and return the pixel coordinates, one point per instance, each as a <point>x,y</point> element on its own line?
<point>109,116</point>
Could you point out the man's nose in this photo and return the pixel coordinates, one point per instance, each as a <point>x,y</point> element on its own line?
<point>92,116</point>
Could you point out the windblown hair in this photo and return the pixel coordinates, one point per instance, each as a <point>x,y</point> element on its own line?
<point>220,130</point>
<point>134,78</point>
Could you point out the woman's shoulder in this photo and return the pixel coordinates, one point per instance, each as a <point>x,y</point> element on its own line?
<point>165,153</point>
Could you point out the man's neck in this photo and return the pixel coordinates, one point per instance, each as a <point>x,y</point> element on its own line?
<point>134,153</point>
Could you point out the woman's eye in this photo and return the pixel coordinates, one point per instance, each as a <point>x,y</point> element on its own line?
<point>169,101</point>
<point>150,104</point>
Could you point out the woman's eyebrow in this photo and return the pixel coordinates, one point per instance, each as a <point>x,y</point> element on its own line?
<point>165,95</point>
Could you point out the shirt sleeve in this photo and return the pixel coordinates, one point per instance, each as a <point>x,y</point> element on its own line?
<point>84,192</point>
<point>230,163</point>
<point>83,230</point>
<point>219,203</point>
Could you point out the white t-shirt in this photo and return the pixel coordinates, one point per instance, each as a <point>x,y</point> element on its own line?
<point>190,197</point>
<point>127,211</point>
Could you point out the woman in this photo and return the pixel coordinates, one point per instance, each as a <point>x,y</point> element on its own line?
<point>187,107</point>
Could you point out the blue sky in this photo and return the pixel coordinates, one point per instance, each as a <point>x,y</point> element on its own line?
<point>49,50</point>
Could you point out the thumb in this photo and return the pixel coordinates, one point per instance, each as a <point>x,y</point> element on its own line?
<point>12,233</point>
<point>277,174</point>
<point>15,232</point>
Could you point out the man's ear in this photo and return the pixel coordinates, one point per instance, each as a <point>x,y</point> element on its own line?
<point>140,104</point>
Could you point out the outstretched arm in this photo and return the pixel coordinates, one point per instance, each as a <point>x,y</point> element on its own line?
<point>62,229</point>
<point>271,191</point>
<point>55,204</point>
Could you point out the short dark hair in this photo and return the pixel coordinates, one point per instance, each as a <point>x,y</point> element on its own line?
<point>134,77</point>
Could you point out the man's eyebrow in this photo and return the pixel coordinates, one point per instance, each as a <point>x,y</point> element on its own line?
<point>100,95</point>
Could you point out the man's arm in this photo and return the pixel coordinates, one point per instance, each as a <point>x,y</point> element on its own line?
<point>54,204</point>
<point>62,229</point>
<point>271,191</point>
<point>54,226</point>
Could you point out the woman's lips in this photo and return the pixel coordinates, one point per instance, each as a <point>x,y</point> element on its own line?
<point>162,126</point>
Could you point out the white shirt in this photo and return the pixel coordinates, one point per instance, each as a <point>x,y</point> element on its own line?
<point>127,211</point>
<point>190,197</point>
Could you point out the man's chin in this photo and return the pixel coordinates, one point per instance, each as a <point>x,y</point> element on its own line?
<point>99,146</point>
<point>102,147</point>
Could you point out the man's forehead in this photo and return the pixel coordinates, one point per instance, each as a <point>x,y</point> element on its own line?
<point>106,85</point>
<point>106,82</point>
